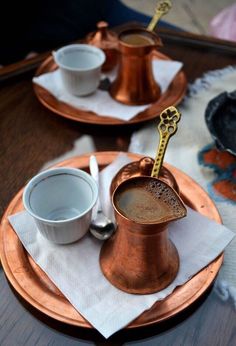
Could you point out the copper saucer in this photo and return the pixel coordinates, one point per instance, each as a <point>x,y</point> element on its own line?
<point>37,289</point>
<point>172,96</point>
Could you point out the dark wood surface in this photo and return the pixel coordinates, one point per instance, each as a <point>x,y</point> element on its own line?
<point>31,135</point>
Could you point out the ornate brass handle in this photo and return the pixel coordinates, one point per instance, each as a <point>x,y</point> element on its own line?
<point>167,128</point>
<point>161,9</point>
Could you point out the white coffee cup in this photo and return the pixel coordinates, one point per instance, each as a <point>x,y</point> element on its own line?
<point>80,67</point>
<point>61,201</point>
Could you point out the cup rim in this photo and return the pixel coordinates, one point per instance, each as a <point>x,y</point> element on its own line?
<point>50,172</point>
<point>79,46</point>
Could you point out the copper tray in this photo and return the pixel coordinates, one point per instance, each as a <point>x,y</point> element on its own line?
<point>172,96</point>
<point>36,288</point>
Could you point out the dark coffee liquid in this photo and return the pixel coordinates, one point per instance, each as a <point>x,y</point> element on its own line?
<point>140,205</point>
<point>148,200</point>
<point>137,40</point>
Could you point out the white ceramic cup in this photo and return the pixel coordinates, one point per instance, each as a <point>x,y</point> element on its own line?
<point>80,67</point>
<point>61,201</point>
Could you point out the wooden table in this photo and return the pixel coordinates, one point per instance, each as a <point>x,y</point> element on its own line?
<point>31,135</point>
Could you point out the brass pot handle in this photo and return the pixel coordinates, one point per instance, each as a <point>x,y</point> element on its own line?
<point>161,9</point>
<point>167,127</point>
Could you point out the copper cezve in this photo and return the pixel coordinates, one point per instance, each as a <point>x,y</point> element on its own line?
<point>140,258</point>
<point>135,83</point>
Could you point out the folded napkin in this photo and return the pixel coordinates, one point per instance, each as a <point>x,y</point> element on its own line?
<point>75,270</point>
<point>101,102</point>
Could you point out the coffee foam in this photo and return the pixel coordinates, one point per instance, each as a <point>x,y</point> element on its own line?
<point>166,195</point>
<point>146,199</point>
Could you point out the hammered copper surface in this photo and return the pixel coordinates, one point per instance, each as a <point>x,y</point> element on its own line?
<point>135,83</point>
<point>143,248</point>
<point>173,96</point>
<point>37,289</point>
<point>139,277</point>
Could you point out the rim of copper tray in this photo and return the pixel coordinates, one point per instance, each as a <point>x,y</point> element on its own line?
<point>173,96</point>
<point>33,285</point>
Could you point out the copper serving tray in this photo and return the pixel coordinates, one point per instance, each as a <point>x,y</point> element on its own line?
<point>172,96</point>
<point>37,289</point>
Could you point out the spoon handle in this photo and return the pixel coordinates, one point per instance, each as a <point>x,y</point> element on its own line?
<point>161,9</point>
<point>94,171</point>
<point>167,127</point>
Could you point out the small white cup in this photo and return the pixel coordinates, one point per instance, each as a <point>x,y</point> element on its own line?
<point>61,201</point>
<point>80,67</point>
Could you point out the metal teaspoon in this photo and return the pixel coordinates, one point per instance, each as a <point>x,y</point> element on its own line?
<point>101,226</point>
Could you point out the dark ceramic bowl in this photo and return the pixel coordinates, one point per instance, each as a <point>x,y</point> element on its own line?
<point>220,118</point>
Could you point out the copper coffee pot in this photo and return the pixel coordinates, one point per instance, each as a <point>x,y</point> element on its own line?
<point>135,83</point>
<point>140,258</point>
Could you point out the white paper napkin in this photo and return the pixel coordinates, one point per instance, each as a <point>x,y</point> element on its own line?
<point>101,102</point>
<point>75,270</point>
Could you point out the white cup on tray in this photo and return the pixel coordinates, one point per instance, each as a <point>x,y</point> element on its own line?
<point>80,67</point>
<point>61,200</point>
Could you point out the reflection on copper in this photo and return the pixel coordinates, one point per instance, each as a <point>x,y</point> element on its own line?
<point>135,83</point>
<point>107,40</point>
<point>140,258</point>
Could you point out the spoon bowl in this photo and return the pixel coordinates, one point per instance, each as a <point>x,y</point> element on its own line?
<point>101,227</point>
